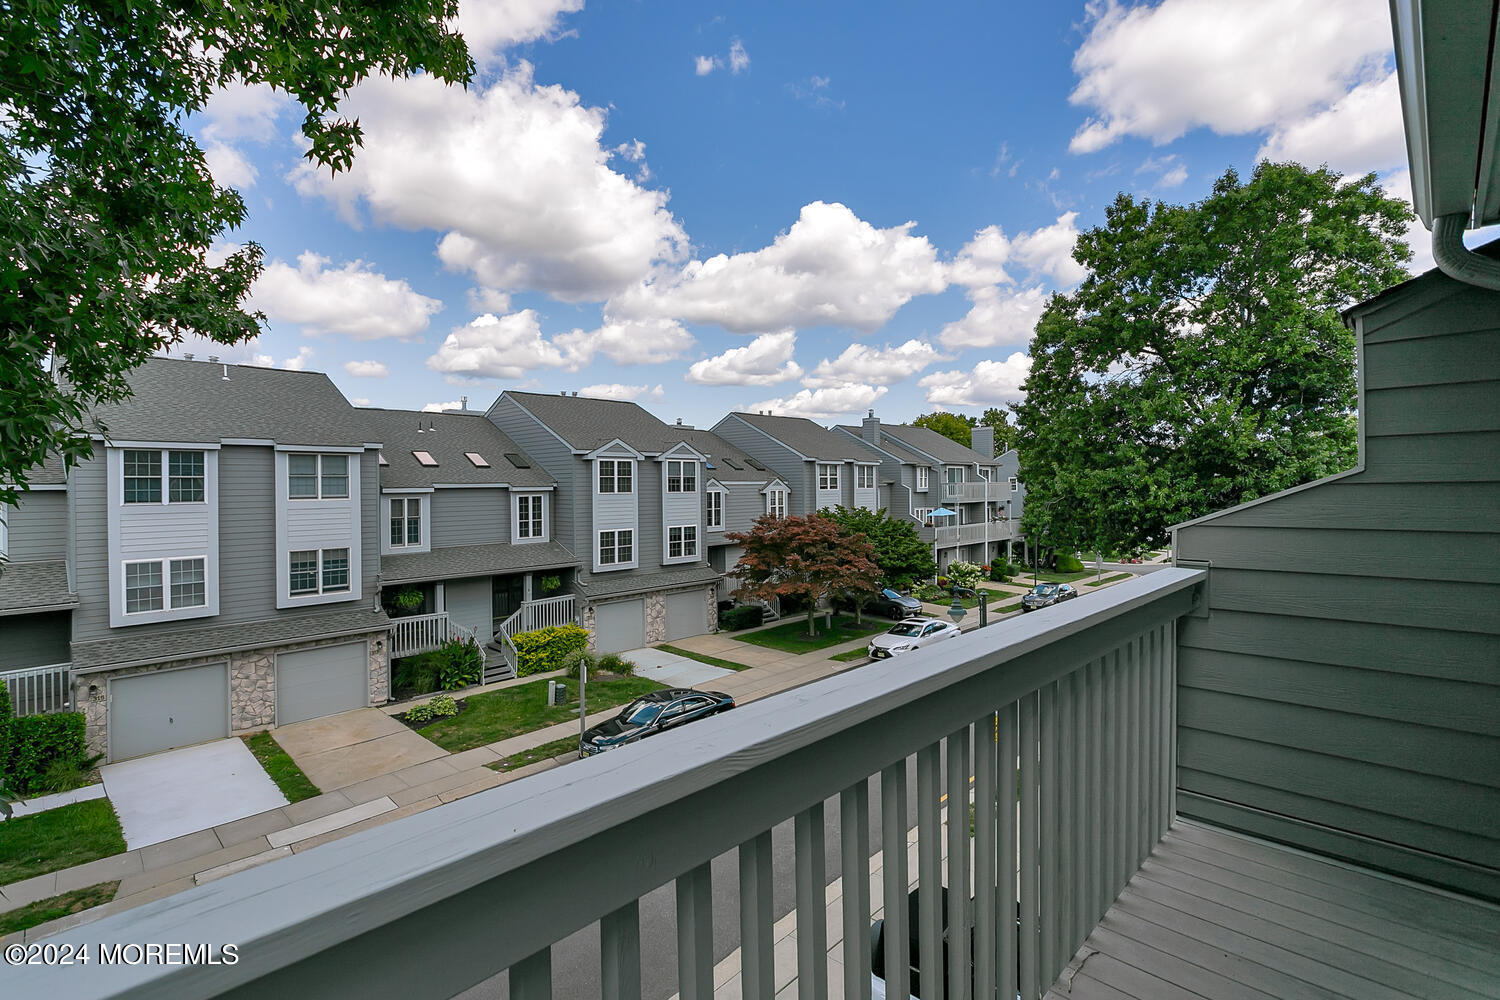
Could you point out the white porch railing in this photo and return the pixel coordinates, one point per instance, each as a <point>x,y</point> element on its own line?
<point>35,690</point>
<point>419,633</point>
<point>975,492</point>
<point>545,613</point>
<point>974,534</point>
<point>1079,698</point>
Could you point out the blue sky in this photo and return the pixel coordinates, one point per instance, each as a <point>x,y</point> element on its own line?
<point>815,209</point>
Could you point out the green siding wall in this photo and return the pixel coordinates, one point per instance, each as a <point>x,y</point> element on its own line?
<point>1343,694</point>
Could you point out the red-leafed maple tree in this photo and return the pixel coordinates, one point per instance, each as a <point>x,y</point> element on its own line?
<point>811,557</point>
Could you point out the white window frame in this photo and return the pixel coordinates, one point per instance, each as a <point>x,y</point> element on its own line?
<point>948,475</point>
<point>317,458</point>
<point>923,514</point>
<point>323,588</point>
<point>164,569</point>
<point>687,533</point>
<point>713,513</point>
<point>4,529</point>
<point>531,526</point>
<point>861,472</point>
<point>406,518</point>
<point>614,547</point>
<point>923,473</point>
<point>164,477</point>
<point>1015,484</point>
<point>776,503</point>
<point>686,471</point>
<point>828,476</point>
<point>614,476</point>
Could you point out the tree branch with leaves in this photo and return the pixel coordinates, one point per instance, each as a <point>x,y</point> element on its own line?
<point>810,557</point>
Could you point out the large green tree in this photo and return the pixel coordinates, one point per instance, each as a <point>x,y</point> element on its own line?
<point>1203,362</point>
<point>108,208</point>
<point>900,553</point>
<point>810,557</point>
<point>950,425</point>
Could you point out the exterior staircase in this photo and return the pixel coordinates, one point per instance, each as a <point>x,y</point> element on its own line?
<point>500,656</point>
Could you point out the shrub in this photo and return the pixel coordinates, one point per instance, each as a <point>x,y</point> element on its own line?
<point>419,715</point>
<point>459,664</point>
<point>743,616</point>
<point>577,659</point>
<point>1068,564</point>
<point>547,648</point>
<point>615,664</point>
<point>926,592</point>
<point>944,583</point>
<point>4,730</point>
<point>408,599</point>
<point>66,775</point>
<point>36,741</point>
<point>417,674</point>
<point>549,584</point>
<point>965,574</point>
<point>442,706</point>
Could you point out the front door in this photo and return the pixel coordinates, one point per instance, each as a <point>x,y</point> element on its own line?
<point>509,592</point>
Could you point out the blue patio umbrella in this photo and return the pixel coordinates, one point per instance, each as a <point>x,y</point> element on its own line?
<point>943,512</point>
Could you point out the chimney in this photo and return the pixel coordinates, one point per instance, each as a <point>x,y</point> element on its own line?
<point>679,421</point>
<point>870,428</point>
<point>463,402</point>
<point>982,440</point>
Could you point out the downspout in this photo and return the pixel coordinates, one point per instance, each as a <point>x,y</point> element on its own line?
<point>1458,261</point>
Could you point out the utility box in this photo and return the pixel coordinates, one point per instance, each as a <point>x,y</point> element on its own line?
<point>557,693</point>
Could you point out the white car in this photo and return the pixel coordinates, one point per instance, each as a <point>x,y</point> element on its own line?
<point>909,634</point>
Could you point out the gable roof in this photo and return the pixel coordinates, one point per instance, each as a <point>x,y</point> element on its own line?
<point>892,446</point>
<point>807,438</point>
<point>940,446</point>
<point>176,400</point>
<point>451,435</point>
<point>718,451</point>
<point>585,423</point>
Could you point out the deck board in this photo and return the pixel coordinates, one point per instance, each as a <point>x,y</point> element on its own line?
<point>1220,916</point>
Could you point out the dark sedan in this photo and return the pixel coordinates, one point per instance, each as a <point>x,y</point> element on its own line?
<point>893,605</point>
<point>651,714</point>
<point>1044,595</point>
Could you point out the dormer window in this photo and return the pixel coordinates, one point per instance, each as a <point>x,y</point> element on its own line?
<point>616,475</point>
<point>682,477</point>
<point>425,458</point>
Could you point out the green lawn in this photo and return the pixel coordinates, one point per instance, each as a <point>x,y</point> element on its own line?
<point>1006,609</point>
<point>792,637</point>
<point>946,601</point>
<point>852,655</point>
<point>1112,579</point>
<point>58,838</point>
<point>295,785</point>
<point>524,709</point>
<point>54,907</point>
<point>712,661</point>
<point>544,752</point>
<point>1049,577</point>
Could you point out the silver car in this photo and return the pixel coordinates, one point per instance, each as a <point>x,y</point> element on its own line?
<point>909,634</point>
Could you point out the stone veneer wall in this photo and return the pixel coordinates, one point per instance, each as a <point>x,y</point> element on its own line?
<point>252,684</point>
<point>656,618</point>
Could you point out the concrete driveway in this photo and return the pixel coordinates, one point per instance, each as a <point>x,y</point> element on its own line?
<point>339,750</point>
<point>670,669</point>
<point>182,791</point>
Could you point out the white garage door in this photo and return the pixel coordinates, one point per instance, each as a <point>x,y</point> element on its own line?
<point>152,712</point>
<point>311,683</point>
<point>620,626</point>
<point>687,614</point>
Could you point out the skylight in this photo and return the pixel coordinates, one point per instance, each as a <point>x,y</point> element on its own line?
<point>477,459</point>
<point>756,465</point>
<point>518,460</point>
<point>425,458</point>
<point>731,463</point>
<point>382,459</point>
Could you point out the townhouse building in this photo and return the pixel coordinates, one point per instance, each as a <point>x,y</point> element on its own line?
<point>738,491</point>
<point>630,502</point>
<point>818,467</point>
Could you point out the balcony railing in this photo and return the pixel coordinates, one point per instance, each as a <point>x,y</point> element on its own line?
<point>547,612</point>
<point>35,690</point>
<point>974,534</point>
<point>419,633</point>
<point>1078,699</point>
<point>976,492</point>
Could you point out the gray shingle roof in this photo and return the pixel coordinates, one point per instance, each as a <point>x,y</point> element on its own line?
<point>177,400</point>
<point>35,586</point>
<point>474,560</point>
<point>896,448</point>
<point>717,449</point>
<point>49,473</point>
<point>587,424</point>
<point>157,647</point>
<point>808,438</point>
<point>451,436</point>
<point>944,448</point>
<point>612,584</point>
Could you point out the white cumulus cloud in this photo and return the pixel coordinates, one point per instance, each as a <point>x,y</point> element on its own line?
<point>982,260</point>
<point>455,404</point>
<point>240,111</point>
<point>1360,132</point>
<point>873,365</point>
<point>831,267</point>
<point>997,316</point>
<point>367,369</point>
<point>353,299</point>
<point>989,383</point>
<point>614,390</point>
<point>229,166</point>
<point>766,360</point>
<point>490,26</point>
<point>497,347</point>
<point>513,175</point>
<point>704,65</point>
<point>1234,67</point>
<point>819,404</point>
<point>1049,250</point>
<point>739,59</point>
<point>628,342</point>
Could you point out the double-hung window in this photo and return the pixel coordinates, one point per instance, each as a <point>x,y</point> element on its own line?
<point>922,474</point>
<point>616,547</point>
<point>319,571</point>
<point>828,477</point>
<point>776,503</point>
<point>682,542</point>
<point>165,585</point>
<point>184,477</point>
<point>406,522</point>
<point>864,477</point>
<point>529,516</point>
<point>143,590</point>
<point>682,477</point>
<point>143,476</point>
<point>715,510</point>
<point>615,475</point>
<point>317,477</point>
<point>1014,484</point>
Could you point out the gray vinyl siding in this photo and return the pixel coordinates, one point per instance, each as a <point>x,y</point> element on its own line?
<point>34,640</point>
<point>39,527</point>
<point>91,539</point>
<point>681,509</point>
<point>781,460</point>
<point>571,499</point>
<point>470,517</point>
<point>1343,694</point>
<point>470,604</point>
<point>639,511</point>
<point>743,503</point>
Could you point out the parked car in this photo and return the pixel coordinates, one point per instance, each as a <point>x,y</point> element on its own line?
<point>909,634</point>
<point>888,602</point>
<point>651,714</point>
<point>1044,595</point>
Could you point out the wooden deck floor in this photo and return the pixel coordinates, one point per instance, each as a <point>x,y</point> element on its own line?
<point>1215,915</point>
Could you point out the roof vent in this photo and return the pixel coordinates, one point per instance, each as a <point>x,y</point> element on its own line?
<point>187,357</point>
<point>214,358</point>
<point>575,392</point>
<point>225,377</point>
<point>463,402</point>
<point>562,392</point>
<point>419,428</point>
<point>431,427</point>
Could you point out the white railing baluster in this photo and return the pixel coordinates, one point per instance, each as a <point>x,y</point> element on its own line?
<point>930,870</point>
<point>1094,783</point>
<point>1133,758</point>
<point>531,978</point>
<point>812,917</point>
<point>895,882</point>
<point>1120,863</point>
<point>695,934</point>
<point>757,956</point>
<point>620,952</point>
<point>419,633</point>
<point>38,690</point>
<point>985,900</point>
<point>1007,800</point>
<point>1031,980</point>
<point>1067,821</point>
<point>1047,852</point>
<point>959,918</point>
<point>854,863</point>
